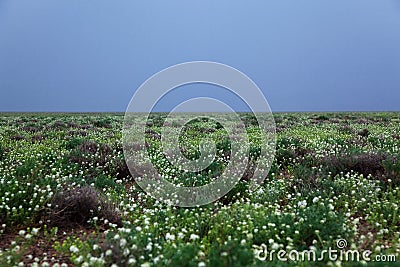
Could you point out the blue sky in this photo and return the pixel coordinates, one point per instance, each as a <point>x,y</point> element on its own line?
<point>305,55</point>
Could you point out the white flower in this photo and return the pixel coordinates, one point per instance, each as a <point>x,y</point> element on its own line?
<point>194,237</point>
<point>302,204</point>
<point>108,252</point>
<point>156,259</point>
<point>243,242</point>
<point>315,199</point>
<point>168,236</point>
<point>132,261</point>
<point>79,259</point>
<point>22,232</point>
<point>122,242</point>
<point>126,252</point>
<point>202,264</point>
<point>330,206</point>
<point>35,231</point>
<point>73,249</point>
<point>275,246</point>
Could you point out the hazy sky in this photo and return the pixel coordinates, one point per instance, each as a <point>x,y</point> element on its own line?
<point>305,55</point>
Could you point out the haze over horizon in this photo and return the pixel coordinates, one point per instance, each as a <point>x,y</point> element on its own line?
<point>91,56</point>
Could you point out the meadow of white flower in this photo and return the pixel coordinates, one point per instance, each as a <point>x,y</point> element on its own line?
<point>335,176</point>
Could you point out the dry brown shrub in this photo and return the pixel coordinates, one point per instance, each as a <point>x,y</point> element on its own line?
<point>364,133</point>
<point>77,206</point>
<point>365,163</point>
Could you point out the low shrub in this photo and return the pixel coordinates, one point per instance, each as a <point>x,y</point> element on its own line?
<point>73,143</point>
<point>103,123</point>
<point>37,138</point>
<point>17,137</point>
<point>322,118</point>
<point>2,152</point>
<point>364,133</point>
<point>362,163</point>
<point>391,166</point>
<point>79,205</point>
<point>84,148</point>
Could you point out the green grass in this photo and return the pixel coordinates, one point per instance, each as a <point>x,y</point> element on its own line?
<point>335,176</point>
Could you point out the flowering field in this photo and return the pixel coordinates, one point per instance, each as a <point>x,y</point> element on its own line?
<point>67,197</point>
